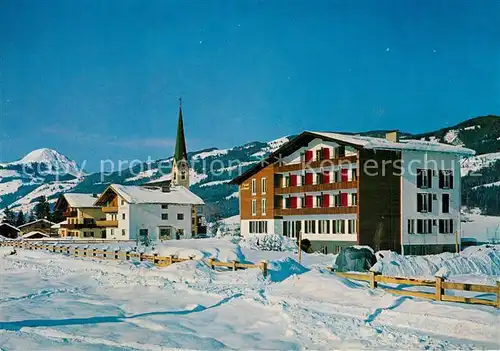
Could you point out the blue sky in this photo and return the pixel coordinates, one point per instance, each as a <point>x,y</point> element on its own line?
<point>101,79</point>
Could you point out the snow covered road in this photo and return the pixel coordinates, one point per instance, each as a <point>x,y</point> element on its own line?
<point>52,302</point>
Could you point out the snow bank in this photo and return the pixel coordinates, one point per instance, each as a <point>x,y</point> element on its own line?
<point>477,260</point>
<point>202,249</point>
<point>269,242</point>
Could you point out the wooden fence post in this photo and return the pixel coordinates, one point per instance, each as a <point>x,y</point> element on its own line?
<point>141,258</point>
<point>104,253</point>
<point>211,263</point>
<point>155,260</point>
<point>85,251</point>
<point>373,282</point>
<point>498,293</point>
<point>439,288</point>
<point>263,267</point>
<point>116,254</point>
<point>93,252</point>
<point>127,255</point>
<point>234,265</point>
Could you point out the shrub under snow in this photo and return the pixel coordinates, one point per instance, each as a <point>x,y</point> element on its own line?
<point>269,242</point>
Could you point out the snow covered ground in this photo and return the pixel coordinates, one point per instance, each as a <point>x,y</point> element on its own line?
<point>50,301</point>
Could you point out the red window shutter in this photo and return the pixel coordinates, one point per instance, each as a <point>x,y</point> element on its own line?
<point>343,199</point>
<point>309,178</point>
<point>326,177</point>
<point>343,175</point>
<point>293,180</point>
<point>293,202</point>
<point>309,156</point>
<point>309,201</point>
<point>326,153</point>
<point>326,200</point>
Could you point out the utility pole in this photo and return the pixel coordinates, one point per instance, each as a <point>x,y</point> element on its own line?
<point>300,248</point>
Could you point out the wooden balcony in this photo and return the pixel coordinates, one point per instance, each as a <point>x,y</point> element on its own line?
<point>70,213</point>
<point>107,223</point>
<point>79,225</point>
<point>316,187</point>
<point>110,209</point>
<point>314,211</point>
<point>315,164</point>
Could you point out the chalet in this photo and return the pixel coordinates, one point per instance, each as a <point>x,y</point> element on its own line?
<point>40,225</point>
<point>156,212</point>
<point>339,190</point>
<point>9,231</point>
<point>81,216</point>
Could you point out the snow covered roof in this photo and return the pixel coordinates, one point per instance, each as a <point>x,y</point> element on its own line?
<point>58,225</point>
<point>373,143</point>
<point>35,221</point>
<point>35,232</point>
<point>80,200</point>
<point>148,195</point>
<point>10,225</point>
<point>355,141</point>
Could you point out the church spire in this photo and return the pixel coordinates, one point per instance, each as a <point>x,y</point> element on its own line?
<point>180,167</point>
<point>180,142</point>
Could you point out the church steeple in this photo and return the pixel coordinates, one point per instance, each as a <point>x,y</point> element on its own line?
<point>180,168</point>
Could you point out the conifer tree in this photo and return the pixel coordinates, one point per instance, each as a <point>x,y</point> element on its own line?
<point>20,220</point>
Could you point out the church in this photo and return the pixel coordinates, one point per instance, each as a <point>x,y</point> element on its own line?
<point>164,209</point>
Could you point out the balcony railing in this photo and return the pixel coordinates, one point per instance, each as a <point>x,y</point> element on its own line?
<point>316,187</point>
<point>316,164</point>
<point>107,223</point>
<point>110,209</point>
<point>79,225</point>
<point>70,213</point>
<point>313,211</point>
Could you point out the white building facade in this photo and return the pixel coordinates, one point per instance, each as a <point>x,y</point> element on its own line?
<point>134,212</point>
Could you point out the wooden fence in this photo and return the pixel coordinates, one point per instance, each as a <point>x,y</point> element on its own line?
<point>440,286</point>
<point>159,261</point>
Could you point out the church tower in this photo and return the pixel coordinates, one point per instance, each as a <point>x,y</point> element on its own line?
<point>180,166</point>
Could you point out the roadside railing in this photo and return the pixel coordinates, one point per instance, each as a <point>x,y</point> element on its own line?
<point>440,286</point>
<point>129,255</point>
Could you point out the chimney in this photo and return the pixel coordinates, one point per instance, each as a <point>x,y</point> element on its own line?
<point>165,189</point>
<point>392,136</point>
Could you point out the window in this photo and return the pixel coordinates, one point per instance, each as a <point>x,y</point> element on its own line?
<point>286,181</point>
<point>112,231</point>
<point>338,226</point>
<point>411,226</point>
<point>324,226</point>
<point>424,226</point>
<point>446,226</point>
<point>319,155</point>
<point>263,185</point>
<point>424,178</point>
<point>424,202</point>
<point>323,249</point>
<point>164,216</point>
<point>336,200</point>
<point>254,186</point>
<point>180,216</point>
<point>123,215</point>
<point>143,232</point>
<point>336,176</point>
<point>351,226</point>
<point>165,233</point>
<point>164,206</point>
<point>263,206</point>
<point>285,228</point>
<point>319,178</point>
<point>123,202</point>
<point>123,232</point>
<point>88,234</point>
<point>446,203</point>
<point>310,226</point>
<point>354,174</point>
<point>254,207</point>
<point>258,227</point>
<point>354,199</point>
<point>446,179</point>
<point>319,201</point>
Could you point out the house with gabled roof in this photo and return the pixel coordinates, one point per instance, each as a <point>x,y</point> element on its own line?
<point>40,225</point>
<point>338,190</point>
<point>163,213</point>
<point>81,216</point>
<point>9,231</point>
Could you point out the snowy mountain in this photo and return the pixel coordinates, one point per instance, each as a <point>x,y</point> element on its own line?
<point>41,172</point>
<point>213,168</point>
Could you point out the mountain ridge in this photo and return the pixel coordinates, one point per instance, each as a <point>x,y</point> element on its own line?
<point>212,168</point>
